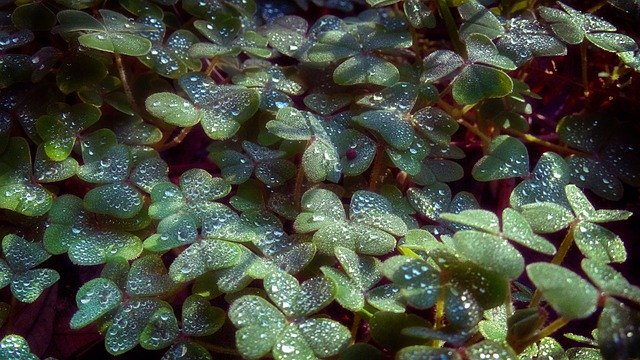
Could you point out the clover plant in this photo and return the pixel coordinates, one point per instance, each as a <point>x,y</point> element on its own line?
<point>311,179</point>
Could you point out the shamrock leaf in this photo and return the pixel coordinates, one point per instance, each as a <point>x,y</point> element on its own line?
<point>17,268</point>
<point>223,108</point>
<point>507,157</point>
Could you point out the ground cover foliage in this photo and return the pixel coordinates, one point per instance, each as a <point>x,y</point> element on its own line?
<point>417,179</point>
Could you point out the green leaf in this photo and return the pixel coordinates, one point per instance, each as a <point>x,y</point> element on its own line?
<point>563,25</point>
<point>287,34</point>
<point>356,151</point>
<point>488,349</point>
<point>386,298</point>
<point>333,45</point>
<point>483,51</point>
<point>440,64</point>
<point>618,331</point>
<point>568,294</point>
<point>419,14</point>
<point>148,277</point>
<point>203,256</point>
<point>547,217</point>
<point>293,124</point>
<point>116,42</point>
<point>434,123</point>
<point>478,19</point>
<point>418,281</point>
<point>172,109</point>
<point>390,125</point>
<point>28,286</point>
<point>594,175</point>
<point>320,161</point>
<point>95,299</point>
<point>421,352</point>
<point>223,107</point>
<point>187,351</point>
<point>362,239</point>
<point>325,337</point>
<point>364,69</point>
<point>298,299</point>
<point>15,347</point>
<point>506,157</point>
<point>386,327</point>
<point>47,170</point>
<point>525,38</point>
<point>479,219</point>
<point>430,201</point>
<point>128,324</point>
<point>550,176</point>
<point>478,82</point>
<point>35,16</point>
<point>374,210</point>
<point>609,281</point>
<point>259,323</point>
<point>482,249</point>
<point>26,199</point>
<point>22,255</point>
<point>516,228</point>
<point>199,318</point>
<point>160,331</point>
<point>598,243</point>
<point>112,167</point>
<point>120,200</point>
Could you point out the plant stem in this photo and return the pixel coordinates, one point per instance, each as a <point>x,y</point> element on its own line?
<point>451,26</point>
<point>355,326</point>
<point>565,245</point>
<point>584,65</point>
<point>551,146</point>
<point>125,83</point>
<point>467,121</point>
<point>176,140</point>
<point>462,120</point>
<point>378,168</point>
<point>556,325</point>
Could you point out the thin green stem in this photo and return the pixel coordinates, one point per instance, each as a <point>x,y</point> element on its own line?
<point>462,120</point>
<point>565,245</point>
<point>176,140</point>
<point>556,325</point>
<point>125,83</point>
<point>451,26</point>
<point>549,145</point>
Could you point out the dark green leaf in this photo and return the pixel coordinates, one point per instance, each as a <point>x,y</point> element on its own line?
<point>569,294</point>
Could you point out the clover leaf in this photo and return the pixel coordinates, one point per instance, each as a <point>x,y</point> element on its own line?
<point>60,129</point>
<point>360,274</point>
<point>507,157</point>
<point>17,191</point>
<point>74,229</point>
<point>223,108</point>
<point>618,330</point>
<point>15,347</point>
<point>95,299</point>
<point>170,59</point>
<point>572,26</point>
<point>17,268</point>
<point>148,322</point>
<point>365,233</point>
<point>568,294</point>
<point>262,328</point>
